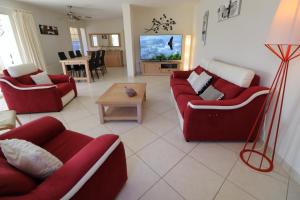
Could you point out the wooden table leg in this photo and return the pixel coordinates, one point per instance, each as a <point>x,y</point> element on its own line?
<point>64,68</point>
<point>87,71</point>
<point>101,113</point>
<point>139,113</point>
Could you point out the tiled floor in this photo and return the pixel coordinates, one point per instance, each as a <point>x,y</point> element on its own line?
<point>161,165</point>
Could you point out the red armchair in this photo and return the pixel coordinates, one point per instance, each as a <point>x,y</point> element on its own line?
<point>229,119</point>
<point>93,168</point>
<point>24,96</point>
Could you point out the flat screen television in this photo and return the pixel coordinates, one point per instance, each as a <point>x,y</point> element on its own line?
<point>160,47</point>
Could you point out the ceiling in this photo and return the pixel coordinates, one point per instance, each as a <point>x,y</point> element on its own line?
<point>101,9</point>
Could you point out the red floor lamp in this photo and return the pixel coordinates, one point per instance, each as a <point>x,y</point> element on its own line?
<point>284,43</point>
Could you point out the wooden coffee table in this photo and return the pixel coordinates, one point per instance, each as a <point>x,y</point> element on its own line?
<point>115,105</point>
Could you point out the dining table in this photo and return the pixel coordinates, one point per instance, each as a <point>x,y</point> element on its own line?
<point>84,60</point>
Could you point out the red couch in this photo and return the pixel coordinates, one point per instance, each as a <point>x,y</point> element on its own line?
<point>229,119</point>
<point>24,96</point>
<point>93,168</point>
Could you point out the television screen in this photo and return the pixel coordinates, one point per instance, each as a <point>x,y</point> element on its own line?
<point>160,47</point>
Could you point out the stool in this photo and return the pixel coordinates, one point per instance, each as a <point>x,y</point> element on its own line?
<point>8,119</point>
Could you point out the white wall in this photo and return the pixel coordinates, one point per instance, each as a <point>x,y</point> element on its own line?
<point>107,26</point>
<point>142,18</point>
<point>128,31</point>
<point>50,44</point>
<point>240,41</point>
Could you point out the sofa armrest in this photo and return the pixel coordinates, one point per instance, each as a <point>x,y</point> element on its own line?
<point>78,170</point>
<point>56,79</point>
<point>38,132</point>
<point>60,78</point>
<point>181,74</point>
<point>23,87</point>
<point>242,100</point>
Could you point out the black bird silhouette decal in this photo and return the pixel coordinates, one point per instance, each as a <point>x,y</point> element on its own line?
<point>170,43</point>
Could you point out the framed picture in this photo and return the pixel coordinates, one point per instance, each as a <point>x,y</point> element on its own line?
<point>229,9</point>
<point>48,30</point>
<point>235,8</point>
<point>204,27</point>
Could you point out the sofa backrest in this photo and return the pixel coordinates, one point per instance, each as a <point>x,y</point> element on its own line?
<point>22,73</point>
<point>238,75</point>
<point>21,70</point>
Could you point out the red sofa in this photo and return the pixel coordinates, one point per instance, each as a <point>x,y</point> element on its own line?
<point>24,96</point>
<point>229,119</point>
<point>93,168</point>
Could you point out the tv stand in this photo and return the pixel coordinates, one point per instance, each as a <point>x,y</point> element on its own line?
<point>155,68</point>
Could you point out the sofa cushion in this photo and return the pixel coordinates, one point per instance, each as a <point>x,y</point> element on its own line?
<point>201,82</point>
<point>41,78</point>
<point>183,89</point>
<point>192,78</point>
<point>29,158</point>
<point>182,101</point>
<point>64,88</point>
<point>14,182</point>
<point>21,70</point>
<point>211,93</point>
<point>230,90</point>
<point>178,81</point>
<point>65,145</point>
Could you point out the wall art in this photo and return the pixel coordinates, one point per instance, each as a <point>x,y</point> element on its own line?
<point>48,30</point>
<point>204,27</point>
<point>229,9</point>
<point>163,23</point>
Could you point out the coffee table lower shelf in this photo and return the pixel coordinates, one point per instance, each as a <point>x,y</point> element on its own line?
<point>113,113</point>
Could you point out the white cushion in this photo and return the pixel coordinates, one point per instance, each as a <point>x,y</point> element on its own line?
<point>201,81</point>
<point>29,158</point>
<point>193,76</point>
<point>41,78</point>
<point>21,70</point>
<point>238,75</point>
<point>211,93</point>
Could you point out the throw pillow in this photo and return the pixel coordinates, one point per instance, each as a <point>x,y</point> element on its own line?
<point>201,82</point>
<point>29,158</point>
<point>193,76</point>
<point>212,93</point>
<point>41,78</point>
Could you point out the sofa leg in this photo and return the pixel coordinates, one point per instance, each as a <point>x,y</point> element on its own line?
<point>187,140</point>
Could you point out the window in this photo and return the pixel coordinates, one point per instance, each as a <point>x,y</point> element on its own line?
<point>9,52</point>
<point>78,37</point>
<point>115,40</point>
<point>75,37</point>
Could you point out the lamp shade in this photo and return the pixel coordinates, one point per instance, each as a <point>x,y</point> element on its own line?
<point>285,28</point>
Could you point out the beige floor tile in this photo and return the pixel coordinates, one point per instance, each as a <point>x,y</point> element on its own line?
<point>159,125</point>
<point>120,127</point>
<point>293,191</point>
<point>215,157</point>
<point>193,180</point>
<point>231,192</point>
<point>140,179</point>
<point>260,185</point>
<point>160,156</point>
<point>161,191</point>
<point>175,137</point>
<point>138,138</point>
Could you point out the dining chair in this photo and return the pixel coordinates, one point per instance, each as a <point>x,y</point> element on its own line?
<point>77,68</point>
<point>101,66</point>
<point>78,53</point>
<point>62,56</point>
<point>93,63</point>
